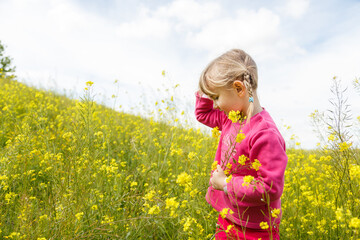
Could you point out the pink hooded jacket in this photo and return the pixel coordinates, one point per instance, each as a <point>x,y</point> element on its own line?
<point>263,142</point>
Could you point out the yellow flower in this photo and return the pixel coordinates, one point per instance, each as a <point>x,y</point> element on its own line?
<point>264,225</point>
<point>171,203</point>
<point>228,168</point>
<point>344,146</point>
<point>43,217</point>
<point>154,210</point>
<point>275,212</point>
<point>242,159</point>
<point>240,137</point>
<point>354,222</point>
<point>188,222</point>
<point>355,172</point>
<point>9,197</point>
<point>214,165</point>
<point>89,83</point>
<point>228,179</point>
<point>331,137</point>
<point>247,180</point>
<point>149,196</point>
<point>191,155</point>
<point>215,132</point>
<point>79,215</point>
<point>339,214</point>
<point>256,165</point>
<point>229,228</point>
<point>225,211</point>
<point>234,116</point>
<point>183,179</point>
<point>183,203</point>
<point>193,192</point>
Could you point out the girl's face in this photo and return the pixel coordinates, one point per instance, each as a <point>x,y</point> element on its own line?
<point>228,99</point>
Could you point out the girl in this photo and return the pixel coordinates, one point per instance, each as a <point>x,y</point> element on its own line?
<point>247,183</point>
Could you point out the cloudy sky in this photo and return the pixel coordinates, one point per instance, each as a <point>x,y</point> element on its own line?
<point>298,45</point>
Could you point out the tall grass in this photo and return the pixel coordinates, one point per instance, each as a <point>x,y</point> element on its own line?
<point>78,170</point>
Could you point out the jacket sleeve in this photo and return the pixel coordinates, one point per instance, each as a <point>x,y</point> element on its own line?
<point>268,147</point>
<point>206,114</point>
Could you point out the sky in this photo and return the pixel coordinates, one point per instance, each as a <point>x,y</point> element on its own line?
<point>298,45</point>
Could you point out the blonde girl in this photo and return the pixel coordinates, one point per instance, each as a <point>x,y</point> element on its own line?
<point>246,186</point>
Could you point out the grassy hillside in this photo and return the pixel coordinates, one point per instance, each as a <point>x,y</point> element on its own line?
<point>78,170</point>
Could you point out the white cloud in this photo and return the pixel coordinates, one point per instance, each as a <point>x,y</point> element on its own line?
<point>296,8</point>
<point>190,12</point>
<point>256,31</point>
<point>179,15</point>
<point>145,25</point>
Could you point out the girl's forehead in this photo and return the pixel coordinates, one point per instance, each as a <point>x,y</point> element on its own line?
<point>216,91</point>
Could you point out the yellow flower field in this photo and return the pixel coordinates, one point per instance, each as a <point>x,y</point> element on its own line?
<point>74,169</point>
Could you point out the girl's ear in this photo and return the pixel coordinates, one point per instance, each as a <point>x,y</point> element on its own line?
<point>239,87</point>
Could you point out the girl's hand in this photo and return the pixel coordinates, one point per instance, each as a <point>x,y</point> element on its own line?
<point>218,178</point>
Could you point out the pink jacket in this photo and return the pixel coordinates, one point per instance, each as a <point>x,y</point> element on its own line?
<point>263,142</point>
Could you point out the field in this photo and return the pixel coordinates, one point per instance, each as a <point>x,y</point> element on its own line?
<point>74,169</point>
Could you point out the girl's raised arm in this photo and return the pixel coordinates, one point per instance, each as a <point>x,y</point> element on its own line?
<point>206,114</point>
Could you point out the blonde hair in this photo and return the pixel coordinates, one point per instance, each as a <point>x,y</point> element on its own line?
<point>233,65</point>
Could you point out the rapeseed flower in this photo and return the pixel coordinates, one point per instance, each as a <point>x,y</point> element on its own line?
<point>241,136</point>
<point>247,180</point>
<point>150,195</point>
<point>183,179</point>
<point>229,228</point>
<point>171,203</point>
<point>43,217</point>
<point>228,168</point>
<point>214,165</point>
<point>331,137</point>
<point>275,212</point>
<point>193,192</point>
<point>234,116</point>
<point>344,146</point>
<point>183,203</point>
<point>89,83</point>
<point>79,215</point>
<point>225,211</point>
<point>154,210</point>
<point>215,132</point>
<point>228,179</point>
<point>264,225</point>
<point>242,159</point>
<point>355,172</point>
<point>188,222</point>
<point>354,223</point>
<point>256,165</point>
